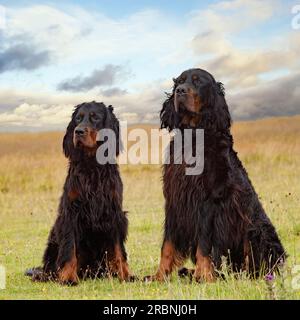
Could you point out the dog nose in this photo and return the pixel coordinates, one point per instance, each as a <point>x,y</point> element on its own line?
<point>181,90</point>
<point>79,131</point>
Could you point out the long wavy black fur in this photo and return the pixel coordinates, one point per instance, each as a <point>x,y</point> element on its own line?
<point>219,210</point>
<point>94,221</point>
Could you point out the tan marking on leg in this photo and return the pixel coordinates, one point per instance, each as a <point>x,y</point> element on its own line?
<point>69,272</point>
<point>204,268</point>
<point>119,265</point>
<point>169,260</point>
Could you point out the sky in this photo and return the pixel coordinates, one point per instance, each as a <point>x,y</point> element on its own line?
<point>57,54</point>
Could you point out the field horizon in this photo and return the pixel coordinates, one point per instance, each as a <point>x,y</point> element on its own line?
<point>32,173</point>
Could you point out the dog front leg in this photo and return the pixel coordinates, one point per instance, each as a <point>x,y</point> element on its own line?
<point>118,265</point>
<point>168,261</point>
<point>67,264</point>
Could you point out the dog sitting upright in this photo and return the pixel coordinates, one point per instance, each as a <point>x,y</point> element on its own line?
<point>216,214</point>
<point>87,239</point>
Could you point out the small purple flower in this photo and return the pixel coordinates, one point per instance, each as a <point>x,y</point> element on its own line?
<point>269,277</point>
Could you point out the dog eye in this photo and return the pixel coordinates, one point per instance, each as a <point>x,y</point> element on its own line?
<point>95,117</point>
<point>78,118</point>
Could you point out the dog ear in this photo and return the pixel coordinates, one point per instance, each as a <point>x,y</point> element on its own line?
<point>167,113</point>
<point>221,109</point>
<point>68,145</point>
<point>220,88</point>
<point>111,122</point>
<point>216,114</point>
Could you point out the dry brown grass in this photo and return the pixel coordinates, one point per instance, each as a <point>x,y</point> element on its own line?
<point>32,172</point>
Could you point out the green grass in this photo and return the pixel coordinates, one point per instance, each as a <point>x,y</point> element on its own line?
<point>32,172</point>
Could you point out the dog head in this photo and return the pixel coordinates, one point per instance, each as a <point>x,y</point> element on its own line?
<point>82,132</point>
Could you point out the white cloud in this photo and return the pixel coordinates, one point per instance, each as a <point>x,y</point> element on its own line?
<point>239,67</point>
<point>30,110</point>
<point>37,116</point>
<point>234,16</point>
<point>155,46</point>
<point>79,34</point>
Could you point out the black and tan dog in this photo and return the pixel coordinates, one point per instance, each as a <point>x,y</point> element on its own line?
<point>216,213</point>
<point>87,239</point>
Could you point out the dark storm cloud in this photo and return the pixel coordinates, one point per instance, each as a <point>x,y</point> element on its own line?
<point>23,57</point>
<point>113,92</point>
<point>279,97</point>
<point>99,77</point>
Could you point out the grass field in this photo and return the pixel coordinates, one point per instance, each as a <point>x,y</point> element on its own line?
<point>32,172</point>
